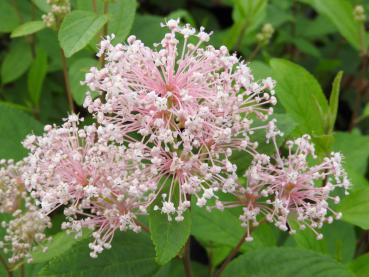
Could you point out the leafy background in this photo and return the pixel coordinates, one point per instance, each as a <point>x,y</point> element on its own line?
<point>318,54</point>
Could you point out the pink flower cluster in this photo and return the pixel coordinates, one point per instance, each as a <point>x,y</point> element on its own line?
<point>99,183</point>
<point>169,120</point>
<point>283,187</point>
<point>25,231</point>
<point>191,105</point>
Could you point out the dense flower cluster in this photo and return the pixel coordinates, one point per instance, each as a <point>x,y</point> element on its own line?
<point>281,188</point>
<point>11,185</point>
<point>169,120</point>
<point>24,232</point>
<point>191,106</point>
<point>99,184</point>
<point>26,228</point>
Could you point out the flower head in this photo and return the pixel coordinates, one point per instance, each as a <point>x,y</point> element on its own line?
<point>190,104</point>
<point>11,185</point>
<point>24,232</point>
<point>100,184</point>
<point>283,188</point>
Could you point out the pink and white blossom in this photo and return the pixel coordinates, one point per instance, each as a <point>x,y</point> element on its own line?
<point>100,184</point>
<point>281,188</point>
<point>191,105</point>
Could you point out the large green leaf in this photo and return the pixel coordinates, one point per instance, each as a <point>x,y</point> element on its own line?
<point>28,28</point>
<point>131,255</point>
<point>355,207</point>
<point>36,76</point>
<point>76,72</point>
<point>16,61</point>
<point>340,12</point>
<point>175,269</point>
<point>147,28</point>
<point>332,243</point>
<point>42,5</point>
<point>78,29</point>
<point>283,262</point>
<point>9,19</point>
<point>260,70</point>
<point>59,244</point>
<point>47,39</point>
<point>355,148</point>
<point>301,95</point>
<point>14,127</point>
<point>169,237</point>
<point>250,11</point>
<point>360,266</point>
<point>122,14</point>
<point>218,228</point>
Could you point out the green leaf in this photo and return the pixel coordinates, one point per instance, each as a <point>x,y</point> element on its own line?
<point>175,269</point>
<point>340,14</point>
<point>15,125</point>
<point>260,70</point>
<point>217,254</point>
<point>251,11</point>
<point>365,112</point>
<point>28,28</point>
<point>150,35</point>
<point>357,180</point>
<point>332,243</point>
<point>306,46</point>
<point>16,61</point>
<point>77,72</point>
<point>60,244</point>
<point>301,95</point>
<point>333,101</point>
<point>183,14</point>
<point>169,237</point>
<point>218,228</point>
<point>247,16</point>
<point>122,14</point>
<point>131,255</point>
<point>9,19</point>
<point>42,5</point>
<point>360,266</point>
<point>282,262</point>
<point>355,207</point>
<point>89,6</point>
<point>355,148</point>
<point>319,27</point>
<point>36,76</point>
<point>78,29</point>
<point>47,39</point>
<point>277,16</point>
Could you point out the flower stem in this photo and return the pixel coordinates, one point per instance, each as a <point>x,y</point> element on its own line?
<point>22,271</point>
<point>241,35</point>
<point>19,14</point>
<point>105,30</point>
<point>231,255</point>
<point>2,261</point>
<point>94,6</point>
<point>187,259</point>
<point>360,89</point>
<point>66,81</point>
